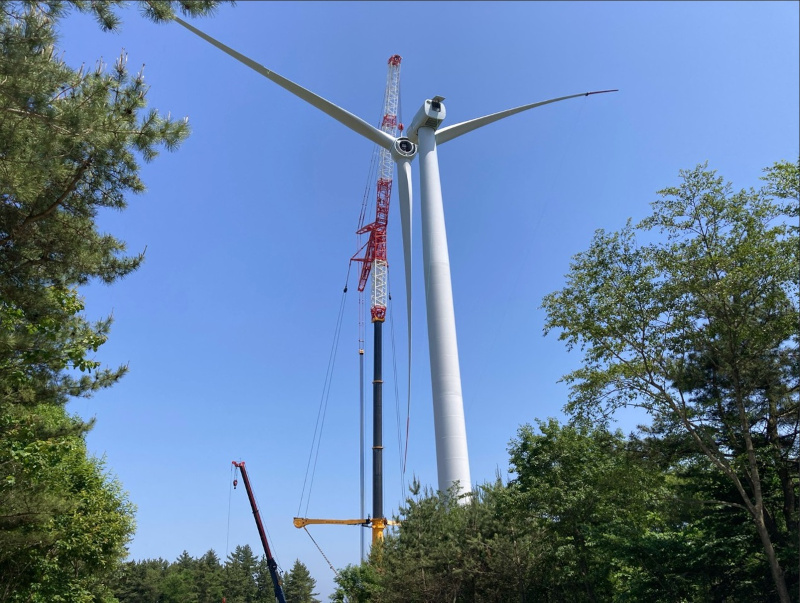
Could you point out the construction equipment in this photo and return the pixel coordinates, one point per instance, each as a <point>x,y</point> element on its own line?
<point>271,564</point>
<point>374,262</point>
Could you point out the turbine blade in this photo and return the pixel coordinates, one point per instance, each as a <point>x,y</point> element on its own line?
<point>405,194</point>
<point>353,122</point>
<point>456,130</point>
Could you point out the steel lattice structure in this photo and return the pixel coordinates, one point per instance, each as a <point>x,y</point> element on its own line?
<point>374,260</point>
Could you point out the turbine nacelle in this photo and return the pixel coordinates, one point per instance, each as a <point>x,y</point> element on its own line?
<point>430,115</point>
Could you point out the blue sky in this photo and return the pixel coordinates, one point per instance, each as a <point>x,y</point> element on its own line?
<point>229,325</point>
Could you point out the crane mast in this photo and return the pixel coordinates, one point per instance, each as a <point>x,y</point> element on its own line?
<point>374,260</point>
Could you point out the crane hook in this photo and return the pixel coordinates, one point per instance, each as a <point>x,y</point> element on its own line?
<point>235,482</point>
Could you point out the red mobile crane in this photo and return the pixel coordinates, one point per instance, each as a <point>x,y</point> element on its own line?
<point>271,564</point>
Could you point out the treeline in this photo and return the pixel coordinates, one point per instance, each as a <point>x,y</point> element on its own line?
<point>589,515</point>
<point>242,578</point>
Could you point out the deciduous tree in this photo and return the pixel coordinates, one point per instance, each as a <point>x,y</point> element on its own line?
<point>585,494</point>
<point>697,325</point>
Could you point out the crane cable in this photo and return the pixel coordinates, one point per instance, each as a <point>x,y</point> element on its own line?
<point>319,548</point>
<point>323,407</point>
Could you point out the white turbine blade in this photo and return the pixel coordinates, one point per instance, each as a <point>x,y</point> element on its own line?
<point>353,122</point>
<point>404,189</point>
<point>456,130</point>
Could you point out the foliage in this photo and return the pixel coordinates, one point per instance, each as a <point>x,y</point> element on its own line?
<point>240,576</point>
<point>139,581</point>
<point>700,330</point>
<point>298,585</point>
<point>70,146</point>
<point>357,584</point>
<point>209,575</point>
<point>584,492</point>
<point>241,579</point>
<point>447,548</point>
<point>64,520</point>
<point>590,515</point>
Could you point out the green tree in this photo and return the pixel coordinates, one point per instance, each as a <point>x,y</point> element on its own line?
<point>619,519</point>
<point>64,521</point>
<point>697,548</point>
<point>357,584</point>
<point>585,493</point>
<point>700,330</point>
<point>179,583</point>
<point>241,569</point>
<point>298,585</point>
<point>81,523</point>
<point>188,580</point>
<point>70,145</point>
<point>209,578</point>
<point>140,581</point>
<point>448,548</point>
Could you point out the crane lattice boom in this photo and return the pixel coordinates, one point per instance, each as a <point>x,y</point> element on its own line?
<point>374,260</point>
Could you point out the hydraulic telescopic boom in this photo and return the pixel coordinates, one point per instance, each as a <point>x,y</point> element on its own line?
<point>271,564</point>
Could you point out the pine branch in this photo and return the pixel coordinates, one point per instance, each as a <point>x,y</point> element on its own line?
<point>53,206</point>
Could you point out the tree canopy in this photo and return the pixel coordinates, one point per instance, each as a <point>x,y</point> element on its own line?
<point>298,585</point>
<point>71,142</point>
<point>241,578</point>
<point>700,330</point>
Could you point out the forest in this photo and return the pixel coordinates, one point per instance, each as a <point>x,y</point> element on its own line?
<point>690,315</point>
<point>241,577</point>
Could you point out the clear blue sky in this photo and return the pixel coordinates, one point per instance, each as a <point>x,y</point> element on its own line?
<point>229,324</point>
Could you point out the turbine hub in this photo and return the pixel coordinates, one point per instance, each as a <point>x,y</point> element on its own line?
<point>403,148</point>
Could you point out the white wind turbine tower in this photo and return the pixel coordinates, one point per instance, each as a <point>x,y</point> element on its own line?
<point>452,460</point>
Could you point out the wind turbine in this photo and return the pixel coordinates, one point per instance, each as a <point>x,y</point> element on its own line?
<point>424,135</point>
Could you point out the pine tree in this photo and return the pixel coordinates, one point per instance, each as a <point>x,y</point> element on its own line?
<point>298,585</point>
<point>209,578</point>
<point>70,144</point>
<point>241,569</point>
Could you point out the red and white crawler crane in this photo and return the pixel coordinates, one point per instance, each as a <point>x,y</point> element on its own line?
<point>374,262</point>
